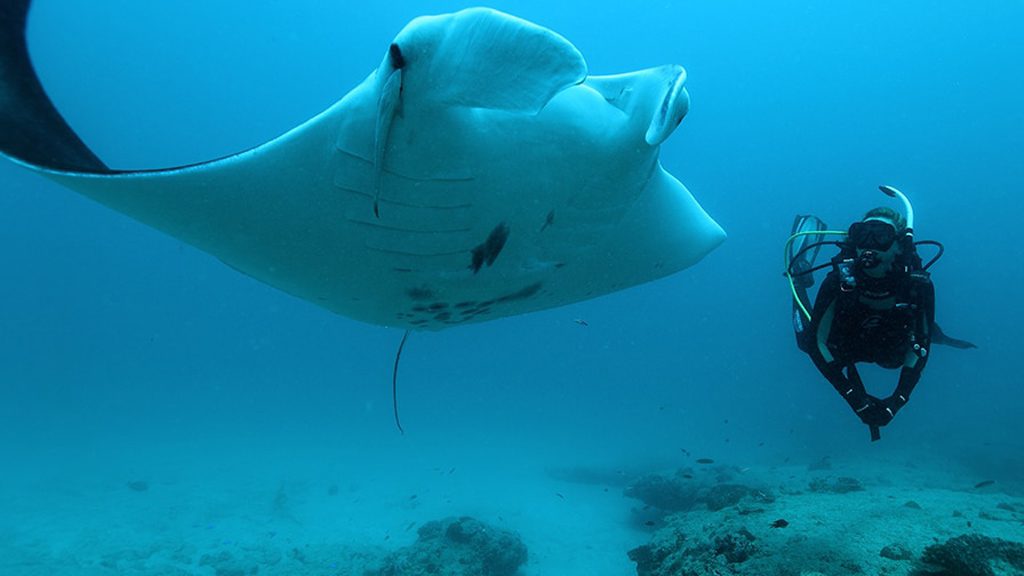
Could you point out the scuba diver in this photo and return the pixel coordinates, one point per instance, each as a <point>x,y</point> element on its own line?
<point>877,305</point>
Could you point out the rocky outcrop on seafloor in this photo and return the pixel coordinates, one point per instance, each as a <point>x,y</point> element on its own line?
<point>680,492</point>
<point>460,546</point>
<point>674,553</point>
<point>975,555</point>
<point>666,493</point>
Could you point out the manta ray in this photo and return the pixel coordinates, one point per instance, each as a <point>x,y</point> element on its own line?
<point>478,172</point>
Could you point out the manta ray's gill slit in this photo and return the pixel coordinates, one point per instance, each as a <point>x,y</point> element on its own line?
<point>394,228</point>
<point>450,178</point>
<point>388,201</point>
<point>398,252</point>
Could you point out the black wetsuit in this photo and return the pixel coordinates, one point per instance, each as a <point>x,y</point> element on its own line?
<point>885,335</point>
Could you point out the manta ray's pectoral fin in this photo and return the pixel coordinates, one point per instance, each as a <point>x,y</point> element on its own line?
<point>387,106</point>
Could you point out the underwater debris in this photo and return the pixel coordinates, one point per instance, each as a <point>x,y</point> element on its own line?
<point>975,555</point>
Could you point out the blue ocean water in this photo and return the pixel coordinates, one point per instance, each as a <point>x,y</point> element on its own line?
<point>127,355</point>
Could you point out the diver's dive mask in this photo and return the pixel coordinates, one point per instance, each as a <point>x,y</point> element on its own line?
<point>873,240</point>
<point>873,235</point>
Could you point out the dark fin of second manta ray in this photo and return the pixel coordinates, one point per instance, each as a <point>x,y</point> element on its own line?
<point>31,129</point>
<point>940,337</point>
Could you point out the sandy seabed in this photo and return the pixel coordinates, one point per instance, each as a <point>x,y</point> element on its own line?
<point>280,513</point>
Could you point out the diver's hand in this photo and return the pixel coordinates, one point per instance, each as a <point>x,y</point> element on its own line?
<point>894,403</point>
<point>877,413</point>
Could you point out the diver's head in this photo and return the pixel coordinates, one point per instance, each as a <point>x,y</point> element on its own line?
<point>876,239</point>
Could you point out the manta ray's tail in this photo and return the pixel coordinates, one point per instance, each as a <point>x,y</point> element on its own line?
<point>31,130</point>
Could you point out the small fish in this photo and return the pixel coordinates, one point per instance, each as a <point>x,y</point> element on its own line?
<point>451,470</point>
<point>705,461</point>
<point>649,523</point>
<point>559,494</point>
<point>780,523</point>
<point>580,321</point>
<point>411,524</point>
<point>413,497</point>
<point>984,483</point>
<point>138,485</point>
<point>685,451</point>
<point>688,476</point>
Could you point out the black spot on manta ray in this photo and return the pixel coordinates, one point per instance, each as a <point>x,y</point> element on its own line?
<point>420,293</point>
<point>487,252</point>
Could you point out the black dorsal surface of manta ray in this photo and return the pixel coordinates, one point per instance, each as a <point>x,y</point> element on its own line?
<point>478,172</point>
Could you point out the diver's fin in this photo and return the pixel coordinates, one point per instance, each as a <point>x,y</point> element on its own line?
<point>806,224</point>
<point>801,261</point>
<point>940,337</point>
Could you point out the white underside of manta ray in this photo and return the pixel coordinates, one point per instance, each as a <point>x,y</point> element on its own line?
<point>478,172</point>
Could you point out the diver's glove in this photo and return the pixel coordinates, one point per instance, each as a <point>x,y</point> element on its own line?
<point>893,403</point>
<point>860,402</point>
<point>878,413</point>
